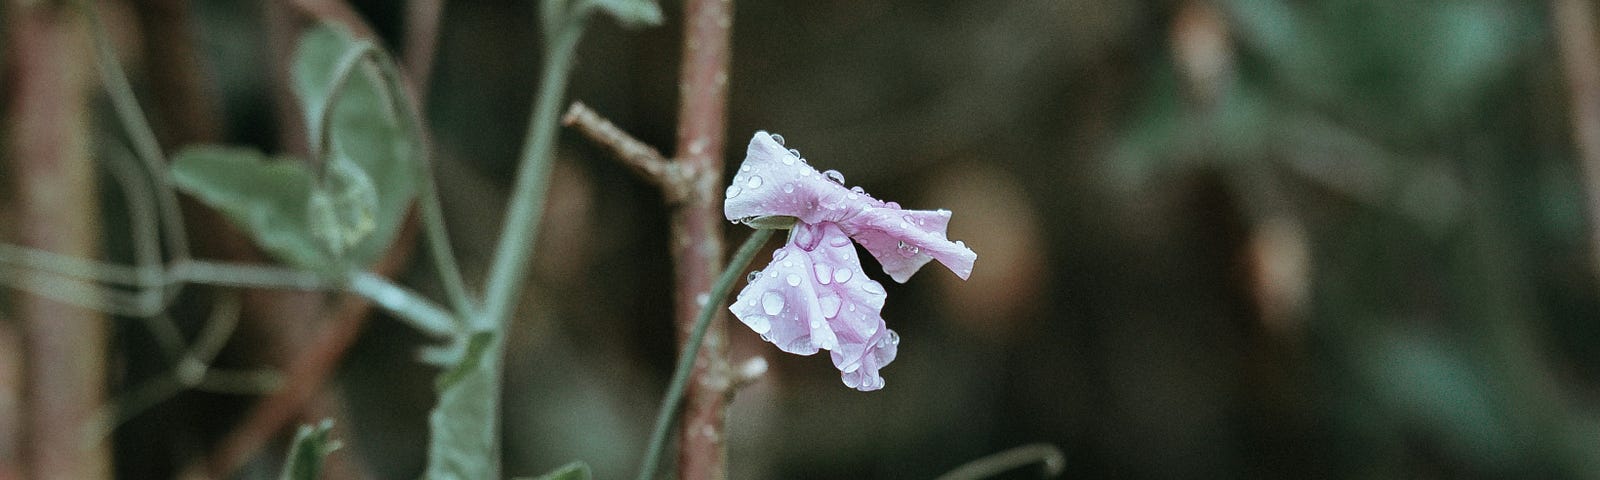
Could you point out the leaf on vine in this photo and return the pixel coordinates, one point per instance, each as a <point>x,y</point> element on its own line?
<point>576,470</point>
<point>367,129</point>
<point>463,423</point>
<point>311,445</point>
<point>268,198</point>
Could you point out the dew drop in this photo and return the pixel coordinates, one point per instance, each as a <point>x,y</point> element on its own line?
<point>961,244</point>
<point>858,189</point>
<point>777,138</point>
<point>805,172</point>
<point>852,196</point>
<point>766,338</point>
<point>892,338</point>
<point>830,305</point>
<point>754,183</point>
<point>793,279</point>
<point>788,188</point>
<point>839,241</point>
<point>842,275</point>
<point>772,303</point>
<point>816,324</point>
<point>773,274</point>
<point>788,264</point>
<point>779,254</point>
<point>872,288</point>
<point>751,278</point>
<point>733,191</point>
<point>795,153</point>
<point>824,273</point>
<point>788,160</point>
<point>893,205</point>
<point>760,324</point>
<point>744,168</point>
<point>835,176</point>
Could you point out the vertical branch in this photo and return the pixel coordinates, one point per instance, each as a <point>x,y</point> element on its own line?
<point>55,209</point>
<point>697,229</point>
<point>1580,56</point>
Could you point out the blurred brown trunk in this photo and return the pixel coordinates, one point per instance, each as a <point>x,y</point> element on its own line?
<point>697,231</point>
<point>55,209</point>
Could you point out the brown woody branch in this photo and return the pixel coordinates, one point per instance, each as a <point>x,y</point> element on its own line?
<point>645,160</point>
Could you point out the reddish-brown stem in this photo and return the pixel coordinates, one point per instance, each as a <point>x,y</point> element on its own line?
<point>1580,55</point>
<point>422,41</point>
<point>54,185</point>
<point>644,159</point>
<point>696,225</point>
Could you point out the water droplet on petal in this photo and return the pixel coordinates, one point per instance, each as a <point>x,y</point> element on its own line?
<point>744,168</point>
<point>777,138</point>
<point>892,338</point>
<point>816,324</point>
<point>830,305</point>
<point>961,244</point>
<point>766,338</point>
<point>894,205</point>
<point>751,278</point>
<point>733,191</point>
<point>835,176</point>
<point>839,241</point>
<point>872,288</point>
<point>852,196</point>
<point>772,274</point>
<point>824,273</point>
<point>842,275</point>
<point>788,264</point>
<point>793,279</point>
<point>788,188</point>
<point>795,153</point>
<point>780,253</point>
<point>788,160</point>
<point>858,189</point>
<point>759,324</point>
<point>754,183</point>
<point>772,303</point>
<point>805,172</point>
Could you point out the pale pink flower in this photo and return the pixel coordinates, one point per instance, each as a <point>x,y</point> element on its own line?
<point>815,295</point>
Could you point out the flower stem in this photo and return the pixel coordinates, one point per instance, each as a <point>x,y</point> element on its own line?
<point>680,374</point>
<point>998,463</point>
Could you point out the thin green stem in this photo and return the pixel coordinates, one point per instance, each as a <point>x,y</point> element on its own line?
<point>514,251</point>
<point>139,132</point>
<point>322,128</point>
<point>1049,455</point>
<point>415,310</point>
<point>680,374</point>
<point>444,257</point>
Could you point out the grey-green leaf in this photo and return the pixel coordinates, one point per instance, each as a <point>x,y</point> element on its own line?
<point>311,445</point>
<point>463,423</point>
<point>577,470</point>
<point>632,13</point>
<point>369,127</point>
<point>265,197</point>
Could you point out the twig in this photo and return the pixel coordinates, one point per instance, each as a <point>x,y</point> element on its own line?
<point>696,225</point>
<point>422,41</point>
<point>680,374</point>
<point>1580,56</point>
<point>641,157</point>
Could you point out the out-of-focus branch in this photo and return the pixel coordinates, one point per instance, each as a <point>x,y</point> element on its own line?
<point>54,183</point>
<point>644,159</point>
<point>1580,56</point>
<point>422,42</point>
<point>697,247</point>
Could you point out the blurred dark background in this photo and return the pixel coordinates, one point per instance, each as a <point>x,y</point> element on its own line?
<point>1216,239</point>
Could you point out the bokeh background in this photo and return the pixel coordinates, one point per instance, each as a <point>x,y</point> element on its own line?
<point>1216,238</point>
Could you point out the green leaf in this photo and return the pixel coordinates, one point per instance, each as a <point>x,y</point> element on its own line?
<point>368,127</point>
<point>632,13</point>
<point>311,445</point>
<point>462,445</point>
<point>266,197</point>
<point>577,470</point>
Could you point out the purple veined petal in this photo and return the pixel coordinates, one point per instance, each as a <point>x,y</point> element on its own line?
<point>773,181</point>
<point>905,240</point>
<point>859,363</point>
<point>792,306</point>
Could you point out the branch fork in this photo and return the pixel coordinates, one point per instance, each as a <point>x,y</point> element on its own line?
<point>676,179</point>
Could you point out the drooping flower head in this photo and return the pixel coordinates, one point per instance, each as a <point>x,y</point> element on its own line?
<point>814,295</point>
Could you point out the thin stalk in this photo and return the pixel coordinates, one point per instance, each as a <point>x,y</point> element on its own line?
<point>514,252</point>
<point>1043,453</point>
<point>680,374</point>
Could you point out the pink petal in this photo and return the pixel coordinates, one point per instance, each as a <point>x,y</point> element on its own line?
<point>904,240</point>
<point>815,296</point>
<point>773,181</point>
